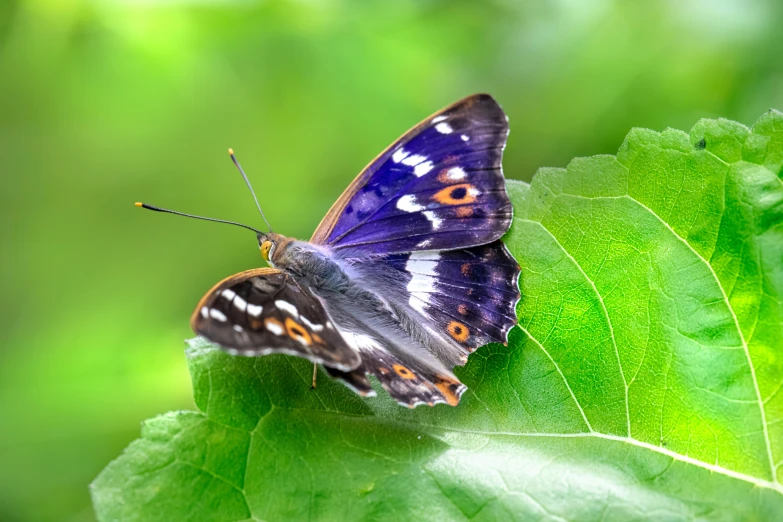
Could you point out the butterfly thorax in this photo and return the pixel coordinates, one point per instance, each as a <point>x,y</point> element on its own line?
<point>308,264</point>
<point>314,267</point>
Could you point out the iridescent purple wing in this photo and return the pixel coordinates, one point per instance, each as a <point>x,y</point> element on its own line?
<point>466,298</point>
<point>438,187</point>
<point>469,296</point>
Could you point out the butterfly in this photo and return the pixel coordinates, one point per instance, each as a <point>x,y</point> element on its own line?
<point>405,276</point>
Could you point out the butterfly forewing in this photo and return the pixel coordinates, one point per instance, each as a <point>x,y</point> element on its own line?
<point>264,311</point>
<point>438,187</point>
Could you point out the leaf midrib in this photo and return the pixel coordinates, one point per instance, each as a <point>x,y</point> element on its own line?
<point>678,457</point>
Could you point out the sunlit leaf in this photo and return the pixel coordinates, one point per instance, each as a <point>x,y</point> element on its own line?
<point>644,380</point>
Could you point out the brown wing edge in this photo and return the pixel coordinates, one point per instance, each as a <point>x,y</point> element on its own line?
<point>330,219</point>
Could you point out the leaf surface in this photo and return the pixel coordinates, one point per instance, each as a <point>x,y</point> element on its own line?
<point>644,381</point>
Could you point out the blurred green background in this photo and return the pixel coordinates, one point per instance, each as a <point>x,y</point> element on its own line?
<point>103,103</point>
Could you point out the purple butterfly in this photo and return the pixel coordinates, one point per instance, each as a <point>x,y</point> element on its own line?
<point>404,277</point>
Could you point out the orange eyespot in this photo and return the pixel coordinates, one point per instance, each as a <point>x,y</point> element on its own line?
<point>460,194</point>
<point>404,372</point>
<point>458,331</point>
<point>266,246</point>
<point>297,333</point>
<point>448,388</point>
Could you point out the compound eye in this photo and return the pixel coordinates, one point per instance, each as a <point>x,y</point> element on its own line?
<point>266,246</point>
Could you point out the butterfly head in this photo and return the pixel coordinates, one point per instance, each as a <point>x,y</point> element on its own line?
<point>265,246</point>
<point>272,247</point>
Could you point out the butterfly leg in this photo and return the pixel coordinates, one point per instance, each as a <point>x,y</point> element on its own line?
<point>315,374</point>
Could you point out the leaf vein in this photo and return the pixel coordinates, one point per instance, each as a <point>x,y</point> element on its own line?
<point>557,367</point>
<point>605,312</point>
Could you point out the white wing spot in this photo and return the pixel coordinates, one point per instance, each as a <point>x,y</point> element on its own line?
<point>465,137</point>
<point>217,315</point>
<point>444,128</point>
<point>287,307</point>
<point>359,341</point>
<point>414,160</point>
<point>422,263</point>
<point>415,303</point>
<point>456,173</point>
<point>399,155</point>
<point>240,303</point>
<point>420,286</point>
<point>422,168</point>
<point>204,312</point>
<point>314,327</point>
<point>434,219</point>
<point>254,310</point>
<point>228,294</point>
<point>437,119</point>
<point>238,328</point>
<point>273,327</point>
<point>408,204</point>
<point>425,243</point>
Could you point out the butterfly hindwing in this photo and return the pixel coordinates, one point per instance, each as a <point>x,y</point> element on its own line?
<point>411,380</point>
<point>469,295</point>
<point>463,299</point>
<point>264,311</point>
<point>440,186</point>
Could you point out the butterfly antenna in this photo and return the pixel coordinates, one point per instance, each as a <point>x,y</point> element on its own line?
<point>158,209</point>
<point>241,171</point>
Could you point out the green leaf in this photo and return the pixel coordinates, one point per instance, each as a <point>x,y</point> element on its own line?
<point>644,380</point>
